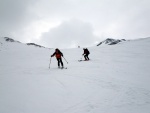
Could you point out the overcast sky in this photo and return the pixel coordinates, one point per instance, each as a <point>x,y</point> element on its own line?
<point>72,23</point>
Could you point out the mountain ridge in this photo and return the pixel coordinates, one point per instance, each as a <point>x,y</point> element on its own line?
<point>111,41</point>
<point>7,39</point>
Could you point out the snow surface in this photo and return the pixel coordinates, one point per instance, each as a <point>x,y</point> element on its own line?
<point>115,80</point>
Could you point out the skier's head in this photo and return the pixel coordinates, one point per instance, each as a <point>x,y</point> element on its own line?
<point>57,50</point>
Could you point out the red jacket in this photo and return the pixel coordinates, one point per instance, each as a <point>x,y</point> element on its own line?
<point>57,54</point>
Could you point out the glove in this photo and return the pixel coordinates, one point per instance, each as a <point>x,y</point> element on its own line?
<point>51,55</point>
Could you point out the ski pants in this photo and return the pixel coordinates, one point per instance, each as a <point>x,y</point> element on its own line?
<point>86,56</point>
<point>60,61</point>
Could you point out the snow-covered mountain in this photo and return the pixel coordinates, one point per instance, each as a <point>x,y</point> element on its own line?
<point>7,39</point>
<point>115,80</point>
<point>110,41</point>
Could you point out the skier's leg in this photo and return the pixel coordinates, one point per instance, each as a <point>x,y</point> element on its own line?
<point>58,62</point>
<point>85,56</point>
<point>88,57</point>
<point>61,62</point>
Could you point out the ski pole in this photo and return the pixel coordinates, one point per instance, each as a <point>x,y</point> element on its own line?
<point>65,60</point>
<point>81,57</point>
<point>50,62</point>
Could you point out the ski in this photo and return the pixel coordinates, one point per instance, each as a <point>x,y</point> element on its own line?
<point>63,68</point>
<point>82,60</point>
<point>59,68</point>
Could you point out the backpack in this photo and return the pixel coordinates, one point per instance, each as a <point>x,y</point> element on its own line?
<point>87,51</point>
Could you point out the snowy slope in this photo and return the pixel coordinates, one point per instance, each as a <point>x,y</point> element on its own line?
<point>115,80</point>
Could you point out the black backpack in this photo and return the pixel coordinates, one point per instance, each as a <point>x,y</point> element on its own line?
<point>87,51</point>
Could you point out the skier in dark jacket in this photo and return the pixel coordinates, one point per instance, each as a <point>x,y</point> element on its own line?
<point>86,53</point>
<point>58,54</point>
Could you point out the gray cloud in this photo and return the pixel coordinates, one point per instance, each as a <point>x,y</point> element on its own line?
<point>71,33</point>
<point>15,15</point>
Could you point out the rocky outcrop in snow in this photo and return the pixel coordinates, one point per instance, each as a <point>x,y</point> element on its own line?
<point>10,39</point>
<point>33,44</point>
<point>110,41</point>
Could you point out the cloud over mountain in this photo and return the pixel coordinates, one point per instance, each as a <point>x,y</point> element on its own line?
<point>71,33</point>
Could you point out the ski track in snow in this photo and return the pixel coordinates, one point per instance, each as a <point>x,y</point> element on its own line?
<point>115,80</point>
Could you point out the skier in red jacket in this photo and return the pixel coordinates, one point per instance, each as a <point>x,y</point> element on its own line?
<point>58,54</point>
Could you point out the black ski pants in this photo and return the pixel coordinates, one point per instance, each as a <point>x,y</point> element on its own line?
<point>60,61</point>
<point>86,56</point>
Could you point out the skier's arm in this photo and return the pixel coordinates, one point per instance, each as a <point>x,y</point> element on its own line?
<point>61,54</point>
<point>83,53</point>
<point>53,54</point>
